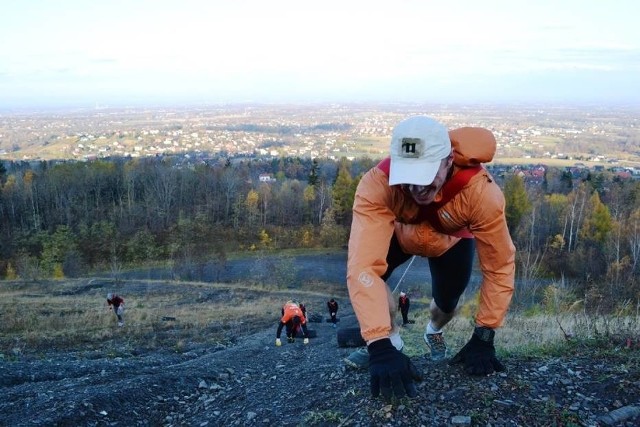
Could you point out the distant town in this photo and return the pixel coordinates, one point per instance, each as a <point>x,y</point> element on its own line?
<point>571,137</point>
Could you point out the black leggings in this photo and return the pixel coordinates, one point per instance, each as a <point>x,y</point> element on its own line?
<point>292,329</point>
<point>450,272</point>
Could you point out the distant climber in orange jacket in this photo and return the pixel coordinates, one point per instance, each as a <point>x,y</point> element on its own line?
<point>293,319</point>
<point>430,198</point>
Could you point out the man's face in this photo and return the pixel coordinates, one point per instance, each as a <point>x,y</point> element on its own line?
<point>425,194</point>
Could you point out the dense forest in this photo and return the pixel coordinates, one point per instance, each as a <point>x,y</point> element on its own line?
<point>68,219</point>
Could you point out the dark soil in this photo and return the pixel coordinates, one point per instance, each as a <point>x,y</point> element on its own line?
<point>254,383</point>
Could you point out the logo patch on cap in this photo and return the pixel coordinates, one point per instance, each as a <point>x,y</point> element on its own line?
<point>411,148</point>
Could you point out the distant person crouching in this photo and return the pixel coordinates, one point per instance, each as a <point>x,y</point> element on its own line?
<point>293,319</point>
<point>116,303</point>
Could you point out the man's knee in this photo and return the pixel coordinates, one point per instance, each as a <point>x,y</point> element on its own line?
<point>435,309</point>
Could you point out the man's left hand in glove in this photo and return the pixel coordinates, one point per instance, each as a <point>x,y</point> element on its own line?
<point>392,373</point>
<point>479,354</point>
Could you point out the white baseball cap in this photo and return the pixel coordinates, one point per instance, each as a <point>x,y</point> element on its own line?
<point>418,145</point>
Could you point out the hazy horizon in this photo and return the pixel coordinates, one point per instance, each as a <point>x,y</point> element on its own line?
<point>73,53</point>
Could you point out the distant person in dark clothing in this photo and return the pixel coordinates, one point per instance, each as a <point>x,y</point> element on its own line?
<point>116,303</point>
<point>403,304</point>
<point>304,309</point>
<point>332,305</point>
<point>292,319</point>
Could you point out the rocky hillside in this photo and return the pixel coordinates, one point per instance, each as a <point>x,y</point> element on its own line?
<point>254,383</point>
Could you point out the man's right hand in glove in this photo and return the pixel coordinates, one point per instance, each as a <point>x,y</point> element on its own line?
<point>392,373</point>
<point>278,342</point>
<point>479,354</point>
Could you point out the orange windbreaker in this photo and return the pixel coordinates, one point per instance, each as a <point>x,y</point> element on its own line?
<point>291,310</point>
<point>380,209</point>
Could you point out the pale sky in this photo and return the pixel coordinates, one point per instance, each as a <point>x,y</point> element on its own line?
<point>132,52</point>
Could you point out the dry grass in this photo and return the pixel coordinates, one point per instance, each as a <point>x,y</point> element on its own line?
<point>36,317</point>
<point>536,334</point>
<point>74,314</point>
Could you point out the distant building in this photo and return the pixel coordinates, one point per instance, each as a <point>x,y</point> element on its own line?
<point>266,177</point>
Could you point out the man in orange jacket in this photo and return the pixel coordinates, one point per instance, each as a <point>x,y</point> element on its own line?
<point>431,198</point>
<point>292,319</point>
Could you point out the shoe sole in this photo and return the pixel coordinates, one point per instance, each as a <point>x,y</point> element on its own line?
<point>353,365</point>
<point>431,356</point>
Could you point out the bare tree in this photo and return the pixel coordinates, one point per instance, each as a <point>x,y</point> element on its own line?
<point>576,211</point>
<point>230,186</point>
<point>265,198</point>
<point>633,235</point>
<point>323,196</point>
<point>160,191</point>
<point>530,258</point>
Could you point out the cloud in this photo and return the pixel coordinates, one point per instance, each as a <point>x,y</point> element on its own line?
<point>248,48</point>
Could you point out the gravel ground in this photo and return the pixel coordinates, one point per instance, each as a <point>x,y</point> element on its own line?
<point>254,383</point>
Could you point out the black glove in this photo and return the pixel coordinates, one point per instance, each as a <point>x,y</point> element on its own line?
<point>392,373</point>
<point>479,354</point>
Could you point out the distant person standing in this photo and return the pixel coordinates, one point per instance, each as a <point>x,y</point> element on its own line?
<point>403,304</point>
<point>116,303</point>
<point>332,305</point>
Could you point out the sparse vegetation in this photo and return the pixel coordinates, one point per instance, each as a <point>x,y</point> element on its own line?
<point>541,333</point>
<point>66,315</point>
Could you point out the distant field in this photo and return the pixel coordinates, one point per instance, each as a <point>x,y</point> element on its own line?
<point>557,162</point>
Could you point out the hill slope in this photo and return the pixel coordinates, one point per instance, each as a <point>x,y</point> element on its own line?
<point>252,382</point>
